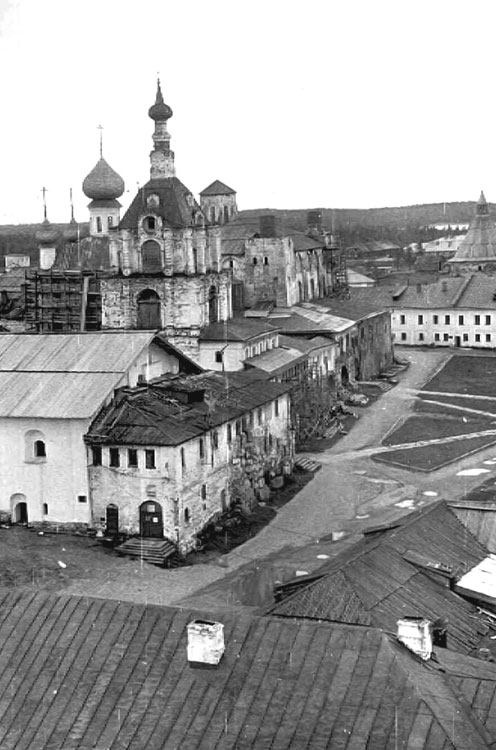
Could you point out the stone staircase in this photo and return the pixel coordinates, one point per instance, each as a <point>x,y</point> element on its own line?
<point>306,464</point>
<point>155,551</point>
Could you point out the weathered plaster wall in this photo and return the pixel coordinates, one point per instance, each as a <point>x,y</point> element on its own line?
<point>194,484</point>
<point>56,480</point>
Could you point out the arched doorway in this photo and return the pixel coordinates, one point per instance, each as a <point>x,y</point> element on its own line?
<point>345,376</point>
<point>19,508</point>
<point>151,520</point>
<point>112,520</point>
<point>149,309</point>
<point>213,310</point>
<point>151,260</point>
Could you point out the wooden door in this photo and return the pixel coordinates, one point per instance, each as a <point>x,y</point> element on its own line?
<point>151,521</point>
<point>112,520</point>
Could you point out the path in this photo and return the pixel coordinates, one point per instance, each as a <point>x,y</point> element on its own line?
<point>349,484</point>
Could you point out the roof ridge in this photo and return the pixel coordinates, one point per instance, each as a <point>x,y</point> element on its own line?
<point>461,290</point>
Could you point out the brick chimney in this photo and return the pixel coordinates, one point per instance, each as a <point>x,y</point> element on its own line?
<point>205,642</point>
<point>416,634</point>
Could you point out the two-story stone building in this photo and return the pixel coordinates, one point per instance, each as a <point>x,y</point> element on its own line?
<point>169,456</point>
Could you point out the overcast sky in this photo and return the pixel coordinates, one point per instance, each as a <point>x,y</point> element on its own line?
<point>315,103</point>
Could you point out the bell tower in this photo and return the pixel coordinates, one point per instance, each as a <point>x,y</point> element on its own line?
<point>161,157</point>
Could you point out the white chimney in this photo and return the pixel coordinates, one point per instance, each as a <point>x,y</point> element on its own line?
<point>205,642</point>
<point>416,634</point>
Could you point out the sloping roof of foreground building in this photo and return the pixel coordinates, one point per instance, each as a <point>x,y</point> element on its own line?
<point>86,673</point>
<point>63,375</point>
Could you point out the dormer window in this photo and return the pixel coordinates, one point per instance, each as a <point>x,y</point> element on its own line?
<point>153,200</point>
<point>150,223</point>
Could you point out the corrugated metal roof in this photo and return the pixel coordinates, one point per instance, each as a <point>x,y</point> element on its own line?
<point>50,395</point>
<point>71,352</point>
<point>63,376</point>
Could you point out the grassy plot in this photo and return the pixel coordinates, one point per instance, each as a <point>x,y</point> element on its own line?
<point>431,457</point>
<point>464,376</point>
<point>474,375</point>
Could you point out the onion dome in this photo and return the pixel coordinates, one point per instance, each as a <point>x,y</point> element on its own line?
<point>47,235</point>
<point>159,110</point>
<point>103,183</point>
<point>70,233</point>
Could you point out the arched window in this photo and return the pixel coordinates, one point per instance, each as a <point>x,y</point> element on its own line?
<point>226,214</point>
<point>183,461</point>
<point>255,261</point>
<point>266,261</point>
<point>39,449</point>
<point>212,214</point>
<point>35,446</point>
<point>148,310</point>
<point>151,261</point>
<point>149,223</point>
<point>213,311</point>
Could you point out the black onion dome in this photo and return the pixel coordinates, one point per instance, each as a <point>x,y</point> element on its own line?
<point>159,110</point>
<point>70,233</point>
<point>103,183</point>
<point>46,235</point>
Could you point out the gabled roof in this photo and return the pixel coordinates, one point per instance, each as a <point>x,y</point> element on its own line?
<point>218,188</point>
<point>97,674</point>
<point>154,414</point>
<point>236,329</point>
<point>392,574</point>
<point>64,376</point>
<point>177,207</point>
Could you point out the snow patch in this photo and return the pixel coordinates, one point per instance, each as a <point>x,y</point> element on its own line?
<point>472,472</point>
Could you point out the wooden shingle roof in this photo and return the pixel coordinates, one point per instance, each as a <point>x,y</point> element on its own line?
<point>77,673</point>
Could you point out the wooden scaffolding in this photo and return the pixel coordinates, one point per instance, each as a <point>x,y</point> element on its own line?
<point>62,301</point>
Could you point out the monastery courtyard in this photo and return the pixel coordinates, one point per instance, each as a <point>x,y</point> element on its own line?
<point>351,492</point>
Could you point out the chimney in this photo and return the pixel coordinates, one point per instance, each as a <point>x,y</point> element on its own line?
<point>267,225</point>
<point>444,286</point>
<point>205,642</point>
<point>416,634</point>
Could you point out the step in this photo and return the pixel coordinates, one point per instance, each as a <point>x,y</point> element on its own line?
<point>306,464</point>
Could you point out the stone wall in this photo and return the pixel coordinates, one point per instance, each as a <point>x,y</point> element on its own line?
<point>196,481</point>
<point>183,300</point>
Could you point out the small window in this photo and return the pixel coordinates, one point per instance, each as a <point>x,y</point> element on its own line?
<point>204,492</point>
<point>44,508</point>
<point>96,455</point>
<point>114,457</point>
<point>266,261</point>
<point>149,458</point>
<point>477,338</point>
<point>238,428</point>
<point>132,458</point>
<point>215,439</point>
<point>150,224</point>
<point>259,416</point>
<point>435,319</point>
<point>403,336</point>
<point>255,261</point>
<point>420,320</point>
<point>183,460</point>
<point>39,449</point>
<point>437,337</point>
<point>402,319</point>
<point>186,515</point>
<point>98,223</point>
<point>488,320</point>
<point>219,356</point>
<point>447,320</point>
<point>445,337</point>
<point>82,499</point>
<point>202,448</point>
<point>465,336</point>
<point>488,337</point>
<point>421,336</point>
<point>276,408</point>
<point>110,222</point>
<point>477,320</point>
<point>460,320</point>
<point>229,434</point>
